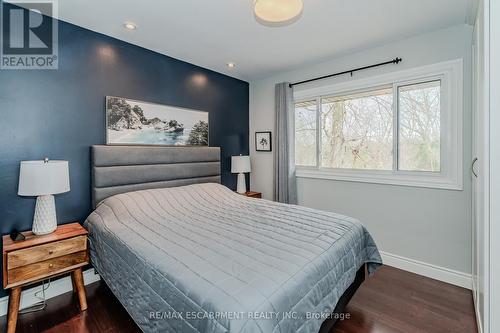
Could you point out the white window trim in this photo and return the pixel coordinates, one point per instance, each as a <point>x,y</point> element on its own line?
<point>451,175</point>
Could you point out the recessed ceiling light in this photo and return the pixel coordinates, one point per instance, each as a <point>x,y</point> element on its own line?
<point>277,12</point>
<point>130,25</point>
<point>231,65</point>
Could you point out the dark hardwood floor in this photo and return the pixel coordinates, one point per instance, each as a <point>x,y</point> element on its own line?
<point>391,301</point>
<point>398,301</point>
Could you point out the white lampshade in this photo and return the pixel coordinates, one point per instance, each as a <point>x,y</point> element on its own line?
<point>240,164</point>
<point>43,178</point>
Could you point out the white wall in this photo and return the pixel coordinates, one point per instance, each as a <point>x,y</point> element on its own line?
<point>428,225</point>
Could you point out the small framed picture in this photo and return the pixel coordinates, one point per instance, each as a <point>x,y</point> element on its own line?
<point>263,141</point>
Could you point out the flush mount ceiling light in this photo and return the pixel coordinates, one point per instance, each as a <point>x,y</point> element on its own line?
<point>231,65</point>
<point>277,12</point>
<point>130,26</point>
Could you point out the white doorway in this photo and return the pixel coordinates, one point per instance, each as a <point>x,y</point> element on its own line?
<point>485,168</point>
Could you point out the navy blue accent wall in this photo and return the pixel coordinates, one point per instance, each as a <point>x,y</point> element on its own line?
<point>60,113</point>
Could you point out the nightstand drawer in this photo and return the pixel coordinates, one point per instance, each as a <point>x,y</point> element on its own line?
<point>39,253</point>
<point>45,268</point>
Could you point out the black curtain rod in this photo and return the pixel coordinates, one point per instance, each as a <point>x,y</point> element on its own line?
<point>393,61</point>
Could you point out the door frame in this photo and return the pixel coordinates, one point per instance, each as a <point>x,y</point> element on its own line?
<point>494,166</point>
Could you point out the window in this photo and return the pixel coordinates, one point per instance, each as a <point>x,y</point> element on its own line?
<point>403,128</point>
<point>420,126</point>
<point>305,133</point>
<point>356,130</point>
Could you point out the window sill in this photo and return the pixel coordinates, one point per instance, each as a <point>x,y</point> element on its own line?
<point>411,179</point>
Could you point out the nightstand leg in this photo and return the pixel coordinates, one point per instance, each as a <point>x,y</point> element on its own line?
<point>14,298</point>
<point>73,283</point>
<point>77,277</point>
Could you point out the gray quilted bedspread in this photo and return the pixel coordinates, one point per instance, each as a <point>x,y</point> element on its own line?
<point>201,258</point>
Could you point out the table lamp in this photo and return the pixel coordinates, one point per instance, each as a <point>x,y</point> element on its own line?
<point>43,179</point>
<point>240,165</point>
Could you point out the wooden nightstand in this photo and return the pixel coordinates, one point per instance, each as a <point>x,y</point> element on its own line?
<point>252,194</point>
<point>41,257</point>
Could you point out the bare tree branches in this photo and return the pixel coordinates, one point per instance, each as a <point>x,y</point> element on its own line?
<point>356,130</point>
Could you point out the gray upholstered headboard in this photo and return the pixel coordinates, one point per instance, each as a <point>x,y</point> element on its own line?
<point>120,169</point>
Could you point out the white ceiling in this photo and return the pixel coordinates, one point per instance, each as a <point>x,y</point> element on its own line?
<point>211,33</point>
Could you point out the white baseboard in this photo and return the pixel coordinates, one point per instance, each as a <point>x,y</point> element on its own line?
<point>56,288</point>
<point>432,271</point>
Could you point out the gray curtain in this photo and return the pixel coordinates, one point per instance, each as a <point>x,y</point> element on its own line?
<point>285,186</point>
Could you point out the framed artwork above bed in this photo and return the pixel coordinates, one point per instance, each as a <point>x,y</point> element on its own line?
<point>130,122</point>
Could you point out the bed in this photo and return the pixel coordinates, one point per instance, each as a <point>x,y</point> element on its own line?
<point>183,253</point>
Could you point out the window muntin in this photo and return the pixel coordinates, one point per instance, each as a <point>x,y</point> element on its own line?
<point>419,131</point>
<point>356,130</point>
<point>305,133</point>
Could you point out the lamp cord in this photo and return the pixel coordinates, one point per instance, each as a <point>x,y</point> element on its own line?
<point>42,304</point>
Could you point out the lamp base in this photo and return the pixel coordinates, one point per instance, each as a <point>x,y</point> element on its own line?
<point>44,221</point>
<point>241,187</point>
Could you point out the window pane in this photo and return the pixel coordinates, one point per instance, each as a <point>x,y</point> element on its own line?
<point>305,133</point>
<point>419,127</point>
<point>356,130</point>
